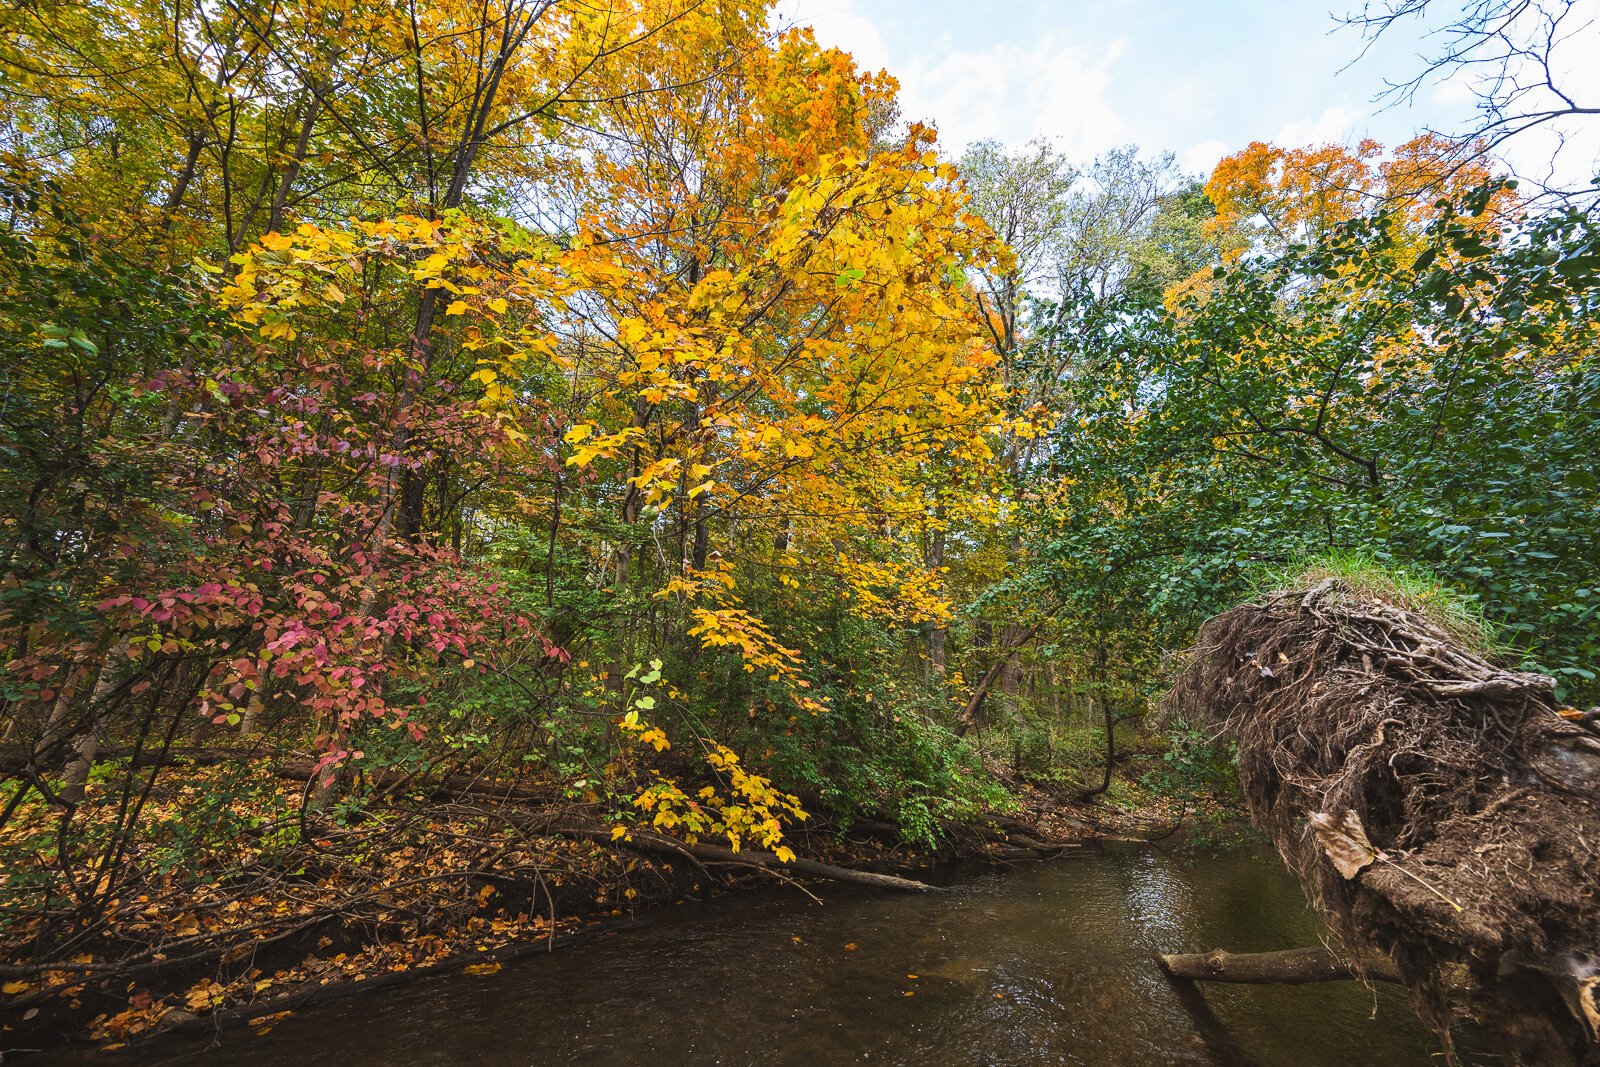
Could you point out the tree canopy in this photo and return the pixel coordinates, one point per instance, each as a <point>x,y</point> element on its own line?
<point>619,403</point>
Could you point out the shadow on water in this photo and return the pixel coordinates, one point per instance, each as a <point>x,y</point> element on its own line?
<point>1049,963</point>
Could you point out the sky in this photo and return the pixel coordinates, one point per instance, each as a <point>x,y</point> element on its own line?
<point>1199,78</point>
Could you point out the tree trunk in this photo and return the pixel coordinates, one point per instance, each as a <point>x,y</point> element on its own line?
<point>59,725</point>
<point>1010,680</point>
<point>180,186</point>
<point>939,635</point>
<point>302,146</point>
<point>1103,698</point>
<point>972,714</point>
<point>75,777</point>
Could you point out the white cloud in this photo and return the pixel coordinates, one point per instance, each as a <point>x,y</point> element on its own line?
<point>1089,85</point>
<point>1202,158</point>
<point>1453,93</point>
<point>1339,124</point>
<point>1015,92</point>
<point>837,24</point>
<point>1006,92</point>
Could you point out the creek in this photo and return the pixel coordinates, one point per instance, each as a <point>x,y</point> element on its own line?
<point>1045,963</point>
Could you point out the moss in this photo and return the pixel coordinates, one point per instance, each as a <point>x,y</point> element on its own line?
<point>1410,587</point>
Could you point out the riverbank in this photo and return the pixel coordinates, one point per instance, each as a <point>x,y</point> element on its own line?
<point>418,883</point>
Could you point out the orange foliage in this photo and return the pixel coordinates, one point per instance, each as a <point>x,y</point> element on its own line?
<point>1267,196</point>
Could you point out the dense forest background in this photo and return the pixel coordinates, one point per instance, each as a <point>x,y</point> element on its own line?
<point>622,398</point>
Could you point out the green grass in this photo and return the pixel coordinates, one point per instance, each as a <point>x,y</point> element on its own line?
<point>1410,586</point>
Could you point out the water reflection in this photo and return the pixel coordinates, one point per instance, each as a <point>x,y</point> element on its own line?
<point>1050,963</point>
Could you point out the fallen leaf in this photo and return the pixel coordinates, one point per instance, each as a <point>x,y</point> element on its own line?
<point>1345,841</point>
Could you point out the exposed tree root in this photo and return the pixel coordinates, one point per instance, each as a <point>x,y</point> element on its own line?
<point>1439,808</point>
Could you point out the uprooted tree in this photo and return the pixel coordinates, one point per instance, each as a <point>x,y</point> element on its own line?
<point>1438,809</point>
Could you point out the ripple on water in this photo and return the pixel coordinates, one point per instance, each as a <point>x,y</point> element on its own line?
<point>1047,964</point>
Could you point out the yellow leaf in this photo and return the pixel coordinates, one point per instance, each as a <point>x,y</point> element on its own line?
<point>432,264</point>
<point>276,242</point>
<point>456,307</point>
<point>618,832</point>
<point>482,968</point>
<point>11,989</point>
<point>498,305</point>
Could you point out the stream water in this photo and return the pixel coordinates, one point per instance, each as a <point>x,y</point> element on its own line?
<point>1048,963</point>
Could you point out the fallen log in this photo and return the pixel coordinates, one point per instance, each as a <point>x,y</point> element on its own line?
<point>15,759</point>
<point>1437,807</point>
<point>1293,966</point>
<point>703,853</point>
<point>1026,835</point>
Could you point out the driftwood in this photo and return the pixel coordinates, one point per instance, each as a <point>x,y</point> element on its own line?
<point>1294,966</point>
<point>1438,808</point>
